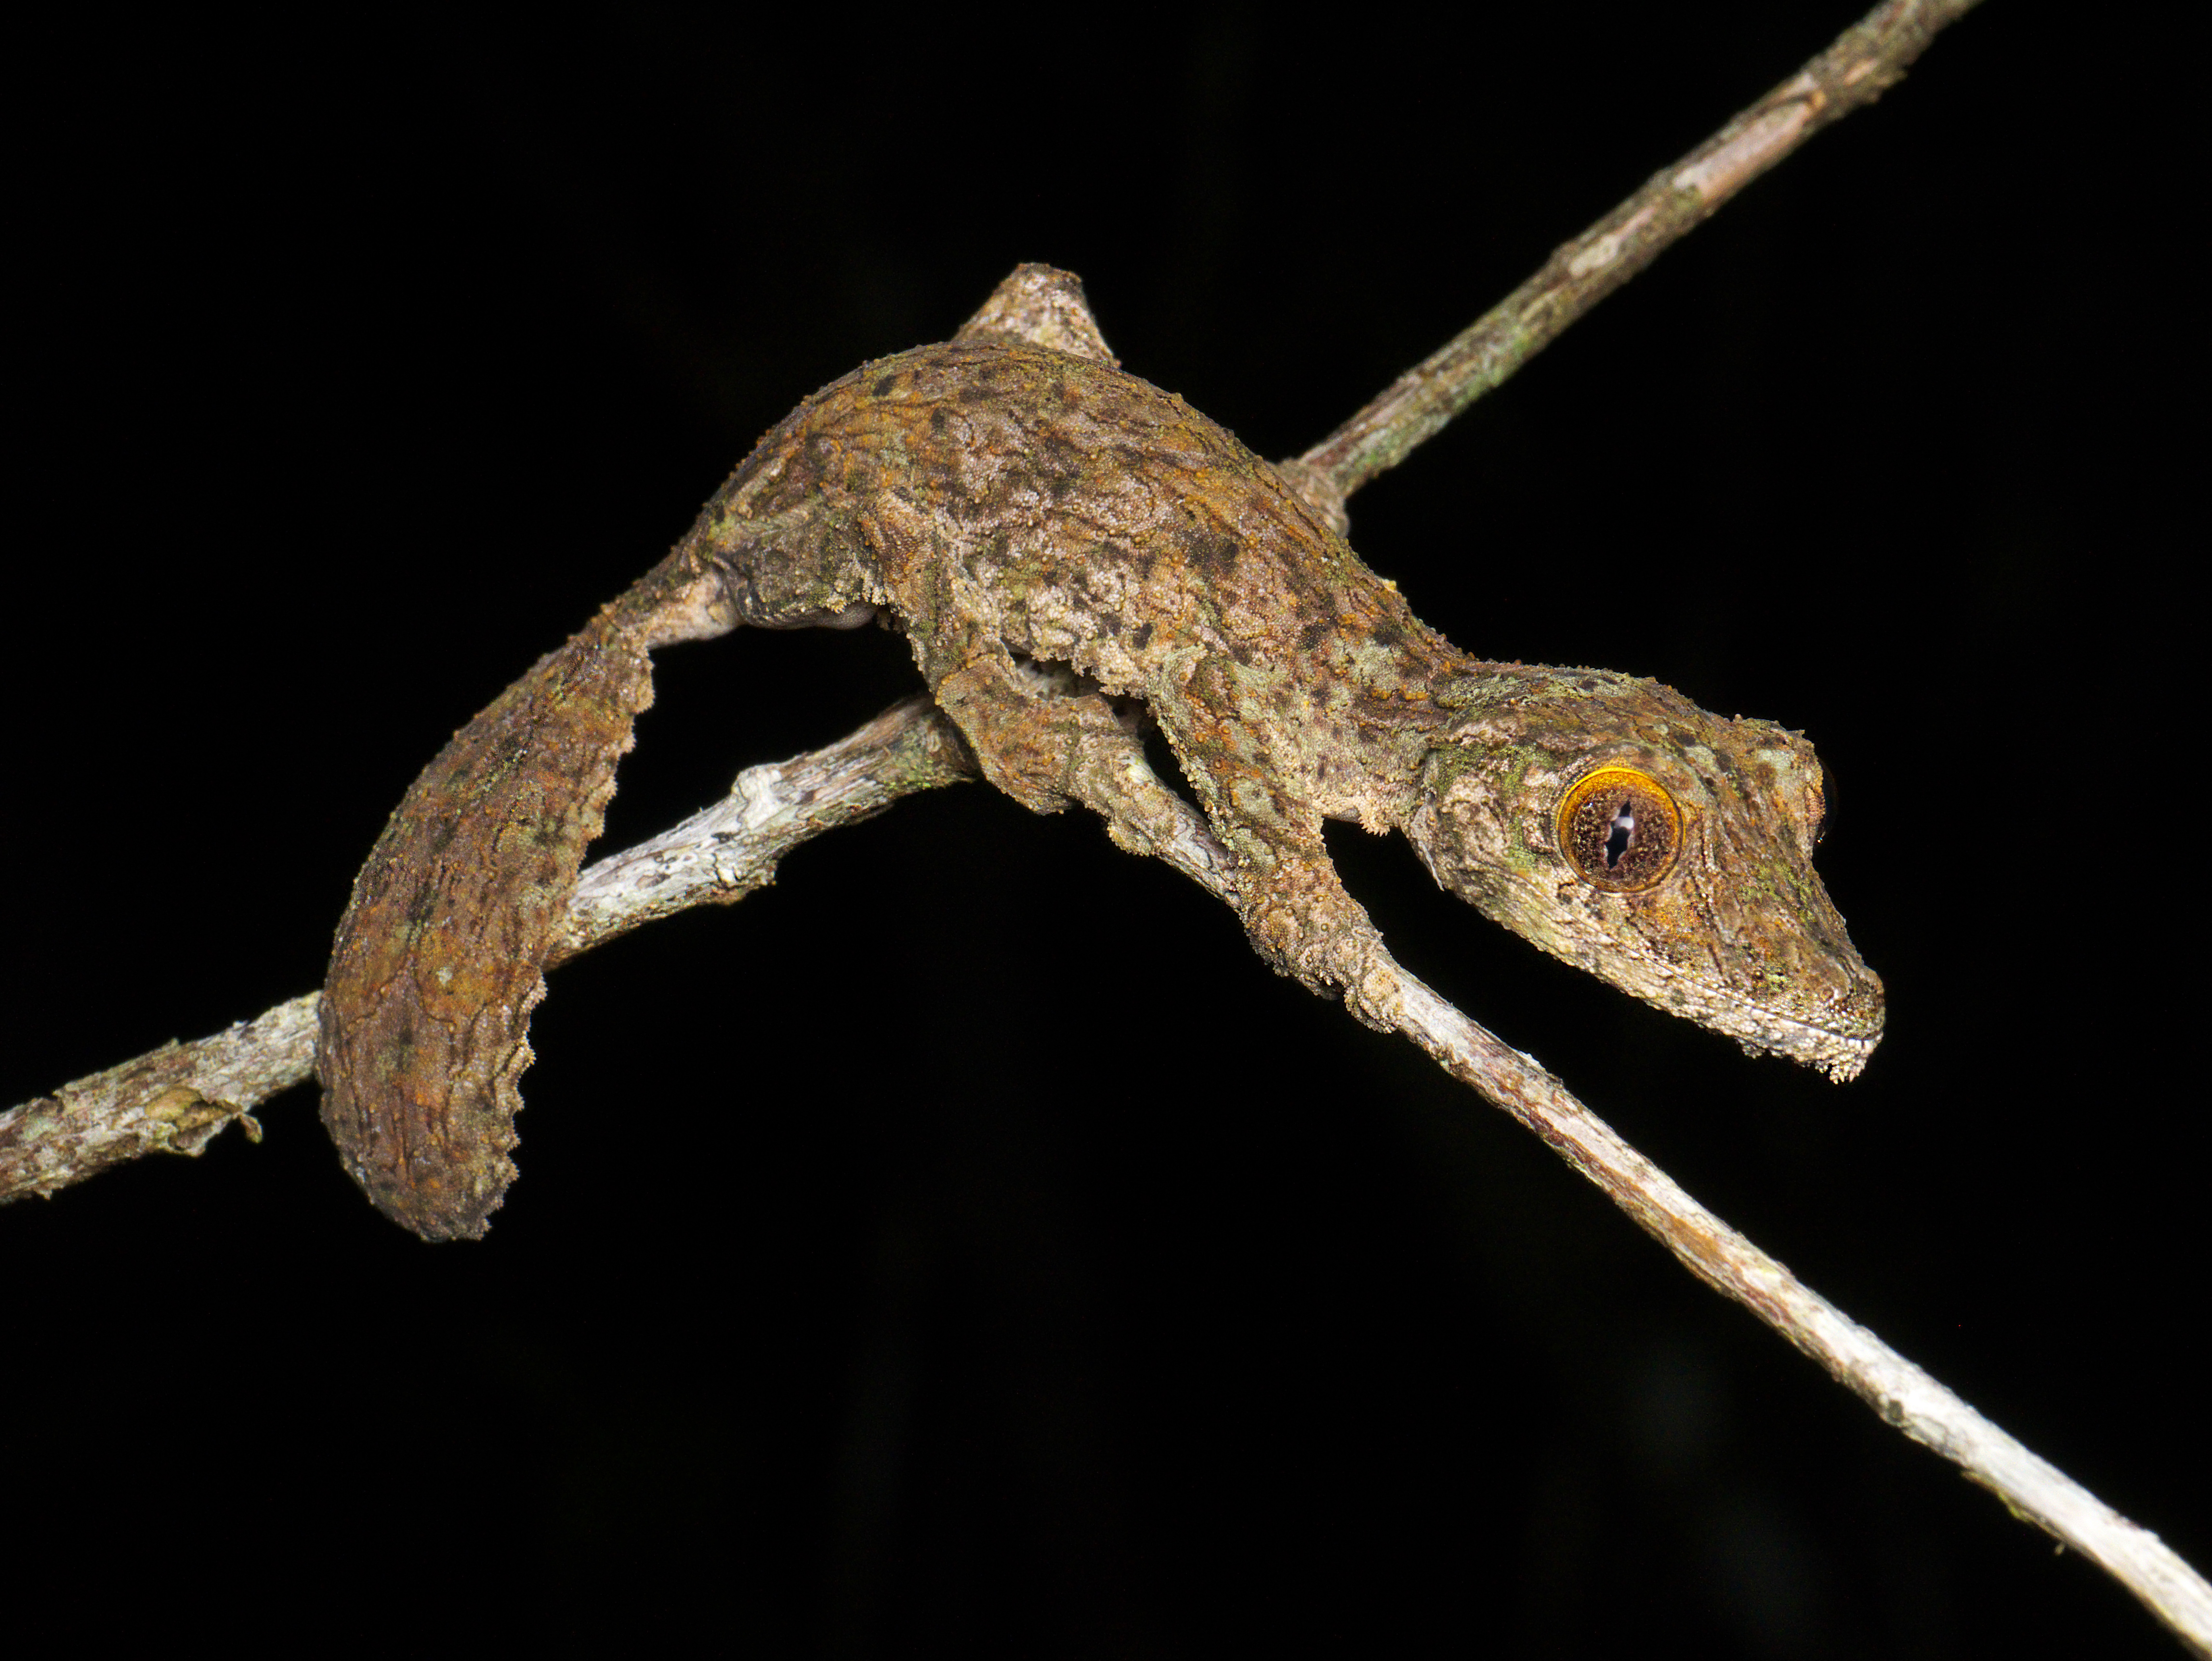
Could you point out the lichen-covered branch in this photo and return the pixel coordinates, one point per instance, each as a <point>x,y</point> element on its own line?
<point>1866,59</point>
<point>718,857</point>
<point>175,1099</point>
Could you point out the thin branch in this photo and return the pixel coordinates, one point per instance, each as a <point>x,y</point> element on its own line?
<point>718,857</point>
<point>180,1095</point>
<point>175,1099</point>
<point>1866,59</point>
<point>1905,1397</point>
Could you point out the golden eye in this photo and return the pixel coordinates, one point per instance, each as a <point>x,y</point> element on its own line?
<point>1619,829</point>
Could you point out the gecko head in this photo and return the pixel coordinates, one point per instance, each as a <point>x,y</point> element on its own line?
<point>1667,850</point>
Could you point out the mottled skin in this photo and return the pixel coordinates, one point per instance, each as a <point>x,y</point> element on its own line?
<point>1056,538</point>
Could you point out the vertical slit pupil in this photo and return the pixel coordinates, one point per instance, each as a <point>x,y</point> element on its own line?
<point>1620,834</point>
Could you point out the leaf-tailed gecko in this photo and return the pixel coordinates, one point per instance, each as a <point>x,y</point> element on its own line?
<point>1058,541</point>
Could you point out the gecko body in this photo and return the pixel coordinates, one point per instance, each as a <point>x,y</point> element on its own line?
<point>1058,541</point>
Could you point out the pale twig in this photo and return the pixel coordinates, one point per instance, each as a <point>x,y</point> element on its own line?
<point>1901,1392</point>
<point>176,1098</point>
<point>1867,58</point>
<point>179,1096</point>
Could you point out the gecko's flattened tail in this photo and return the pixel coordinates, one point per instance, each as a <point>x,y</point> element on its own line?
<point>439,955</point>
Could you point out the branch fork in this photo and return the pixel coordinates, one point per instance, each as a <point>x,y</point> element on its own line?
<point>178,1098</point>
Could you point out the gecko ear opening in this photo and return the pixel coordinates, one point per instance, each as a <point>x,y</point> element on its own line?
<point>1439,826</point>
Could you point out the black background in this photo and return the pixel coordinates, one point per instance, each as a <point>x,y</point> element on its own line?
<point>965,1247</point>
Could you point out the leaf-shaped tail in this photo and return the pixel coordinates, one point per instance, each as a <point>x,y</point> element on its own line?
<point>440,956</point>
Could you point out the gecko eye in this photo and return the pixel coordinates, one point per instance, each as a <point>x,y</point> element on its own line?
<point>1619,829</point>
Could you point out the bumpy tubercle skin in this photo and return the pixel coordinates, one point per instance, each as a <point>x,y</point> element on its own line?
<point>1055,537</point>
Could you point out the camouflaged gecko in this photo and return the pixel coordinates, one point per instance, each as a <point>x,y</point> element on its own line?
<point>1056,538</point>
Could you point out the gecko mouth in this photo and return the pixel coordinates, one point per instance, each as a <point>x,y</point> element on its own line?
<point>1838,1046</point>
<point>1839,1052</point>
<point>1841,1056</point>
